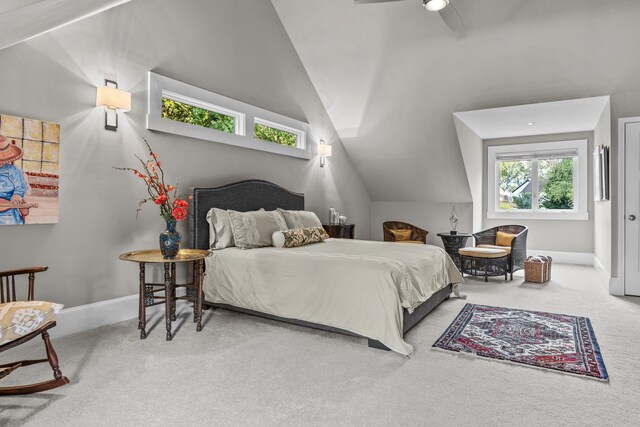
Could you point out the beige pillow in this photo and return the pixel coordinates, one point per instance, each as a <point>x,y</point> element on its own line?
<point>300,219</point>
<point>299,237</point>
<point>255,229</point>
<point>504,239</point>
<point>220,232</point>
<point>402,234</point>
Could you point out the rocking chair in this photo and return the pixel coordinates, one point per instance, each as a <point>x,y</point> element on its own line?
<point>22,320</point>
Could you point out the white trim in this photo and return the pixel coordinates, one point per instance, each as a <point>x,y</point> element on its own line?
<point>605,277</point>
<point>239,118</point>
<point>615,287</point>
<point>580,183</point>
<point>301,141</point>
<point>157,85</point>
<point>577,258</point>
<point>90,316</point>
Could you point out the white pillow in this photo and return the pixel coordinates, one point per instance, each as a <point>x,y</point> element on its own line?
<point>220,231</point>
<point>254,229</point>
<point>300,219</point>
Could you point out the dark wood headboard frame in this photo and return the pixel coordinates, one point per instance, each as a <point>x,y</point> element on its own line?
<point>242,196</point>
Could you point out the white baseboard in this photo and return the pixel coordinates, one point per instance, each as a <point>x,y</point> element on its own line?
<point>90,316</point>
<point>603,274</point>
<point>580,258</point>
<point>615,287</point>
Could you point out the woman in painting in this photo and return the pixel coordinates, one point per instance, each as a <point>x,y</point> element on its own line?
<point>12,185</point>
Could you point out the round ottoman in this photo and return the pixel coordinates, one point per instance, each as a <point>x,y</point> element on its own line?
<point>486,262</point>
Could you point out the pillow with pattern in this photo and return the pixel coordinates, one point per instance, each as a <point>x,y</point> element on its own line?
<point>300,219</point>
<point>299,237</point>
<point>254,229</point>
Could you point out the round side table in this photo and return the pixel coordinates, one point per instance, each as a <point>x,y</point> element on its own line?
<point>148,292</point>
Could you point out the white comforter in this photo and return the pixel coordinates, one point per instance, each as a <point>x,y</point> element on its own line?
<point>356,285</point>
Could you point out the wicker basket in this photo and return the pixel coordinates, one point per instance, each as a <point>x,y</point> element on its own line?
<point>537,269</point>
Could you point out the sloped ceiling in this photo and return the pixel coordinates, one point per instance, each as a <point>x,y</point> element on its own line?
<point>391,75</point>
<point>21,20</point>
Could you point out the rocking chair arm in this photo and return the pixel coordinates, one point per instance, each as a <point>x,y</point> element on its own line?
<point>21,271</point>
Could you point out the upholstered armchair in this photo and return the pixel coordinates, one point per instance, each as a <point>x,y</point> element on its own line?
<point>403,232</point>
<point>22,319</point>
<point>512,238</point>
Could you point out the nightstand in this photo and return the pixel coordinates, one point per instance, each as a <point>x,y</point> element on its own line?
<point>452,243</point>
<point>340,231</point>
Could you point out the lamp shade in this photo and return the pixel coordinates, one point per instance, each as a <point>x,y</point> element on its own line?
<point>113,98</point>
<point>324,150</point>
<point>436,5</point>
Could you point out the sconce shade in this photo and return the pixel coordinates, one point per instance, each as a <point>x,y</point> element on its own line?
<point>324,150</point>
<point>113,98</point>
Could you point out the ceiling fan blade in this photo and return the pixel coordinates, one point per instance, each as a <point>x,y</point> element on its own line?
<point>452,18</point>
<point>373,1</point>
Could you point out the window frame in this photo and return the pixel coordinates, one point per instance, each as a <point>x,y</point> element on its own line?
<point>580,181</point>
<point>300,135</point>
<point>246,116</point>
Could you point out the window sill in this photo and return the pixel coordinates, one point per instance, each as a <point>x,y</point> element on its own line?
<point>546,216</point>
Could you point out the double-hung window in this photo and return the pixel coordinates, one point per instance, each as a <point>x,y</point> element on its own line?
<point>182,109</point>
<point>538,181</point>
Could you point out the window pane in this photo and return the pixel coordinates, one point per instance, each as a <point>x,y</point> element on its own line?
<point>186,113</point>
<point>278,136</point>
<point>515,185</point>
<point>555,183</point>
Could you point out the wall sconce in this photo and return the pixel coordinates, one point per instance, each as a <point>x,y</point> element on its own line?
<point>113,99</point>
<point>324,150</point>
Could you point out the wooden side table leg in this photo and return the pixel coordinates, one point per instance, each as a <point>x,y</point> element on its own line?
<point>173,291</point>
<point>195,271</point>
<point>168,300</point>
<point>142,307</point>
<point>198,302</point>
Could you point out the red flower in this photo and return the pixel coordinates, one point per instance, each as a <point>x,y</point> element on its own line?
<point>170,188</point>
<point>160,199</point>
<point>179,213</point>
<point>179,203</point>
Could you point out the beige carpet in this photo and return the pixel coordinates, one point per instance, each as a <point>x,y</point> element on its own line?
<point>242,370</point>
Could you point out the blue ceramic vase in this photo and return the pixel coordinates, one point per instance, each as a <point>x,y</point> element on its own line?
<point>170,240</point>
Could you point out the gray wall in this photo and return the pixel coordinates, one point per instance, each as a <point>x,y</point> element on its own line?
<point>602,210</point>
<point>236,48</point>
<point>564,235</point>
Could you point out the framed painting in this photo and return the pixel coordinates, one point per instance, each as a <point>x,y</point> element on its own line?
<point>29,171</point>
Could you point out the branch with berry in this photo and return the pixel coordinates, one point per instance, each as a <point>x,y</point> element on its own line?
<point>173,205</point>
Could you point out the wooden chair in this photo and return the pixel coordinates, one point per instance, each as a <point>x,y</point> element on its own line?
<point>415,234</point>
<point>8,296</point>
<point>517,249</point>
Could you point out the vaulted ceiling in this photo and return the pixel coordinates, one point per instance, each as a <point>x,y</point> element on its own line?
<point>21,20</point>
<point>391,74</point>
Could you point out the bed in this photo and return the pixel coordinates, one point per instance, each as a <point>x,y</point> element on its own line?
<point>376,290</point>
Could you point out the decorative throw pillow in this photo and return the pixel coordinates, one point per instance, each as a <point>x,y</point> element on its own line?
<point>402,234</point>
<point>504,239</point>
<point>299,237</point>
<point>300,219</point>
<point>254,229</point>
<point>20,318</point>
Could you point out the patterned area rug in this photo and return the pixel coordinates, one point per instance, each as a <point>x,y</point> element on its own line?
<point>544,340</point>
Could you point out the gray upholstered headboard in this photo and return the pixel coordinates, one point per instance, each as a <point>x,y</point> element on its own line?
<point>242,196</point>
